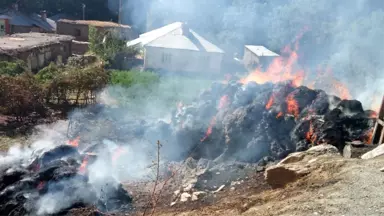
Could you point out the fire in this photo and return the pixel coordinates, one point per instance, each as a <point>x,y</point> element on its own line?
<point>368,137</point>
<point>286,68</point>
<point>117,153</point>
<point>279,114</point>
<point>341,90</point>
<point>209,130</point>
<point>292,105</point>
<point>373,115</point>
<point>376,101</point>
<point>310,135</point>
<point>281,69</point>
<point>83,166</point>
<point>270,102</point>
<point>224,101</point>
<point>75,142</point>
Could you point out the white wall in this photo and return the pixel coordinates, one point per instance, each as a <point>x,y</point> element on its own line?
<point>182,60</point>
<point>250,59</point>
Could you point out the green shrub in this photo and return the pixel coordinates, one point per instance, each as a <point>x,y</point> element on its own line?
<point>131,78</point>
<point>12,68</point>
<point>48,73</point>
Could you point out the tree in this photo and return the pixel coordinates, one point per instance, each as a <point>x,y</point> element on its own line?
<point>107,45</point>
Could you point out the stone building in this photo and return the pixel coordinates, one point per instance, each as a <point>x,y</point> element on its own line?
<point>14,21</point>
<point>37,50</point>
<point>80,28</point>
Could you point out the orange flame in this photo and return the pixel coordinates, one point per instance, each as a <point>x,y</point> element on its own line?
<point>209,130</point>
<point>281,69</point>
<point>83,166</point>
<point>341,90</point>
<point>279,114</point>
<point>310,135</point>
<point>224,101</point>
<point>285,68</point>
<point>373,115</point>
<point>292,105</point>
<point>270,102</point>
<point>75,142</point>
<point>117,153</point>
<point>368,137</point>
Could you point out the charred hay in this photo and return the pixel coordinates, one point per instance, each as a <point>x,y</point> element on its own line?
<point>26,188</point>
<point>244,122</point>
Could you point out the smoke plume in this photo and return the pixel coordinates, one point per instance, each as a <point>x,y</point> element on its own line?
<point>343,35</point>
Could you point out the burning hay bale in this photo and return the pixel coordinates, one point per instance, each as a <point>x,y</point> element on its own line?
<point>248,122</point>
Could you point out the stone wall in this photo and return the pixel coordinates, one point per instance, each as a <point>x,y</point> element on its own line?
<point>40,57</point>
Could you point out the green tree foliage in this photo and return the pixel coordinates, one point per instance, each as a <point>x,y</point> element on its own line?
<point>12,68</point>
<point>48,73</point>
<point>107,44</point>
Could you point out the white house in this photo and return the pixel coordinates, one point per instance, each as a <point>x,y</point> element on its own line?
<point>257,56</point>
<point>175,47</point>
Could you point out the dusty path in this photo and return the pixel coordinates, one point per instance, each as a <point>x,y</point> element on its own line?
<point>337,186</point>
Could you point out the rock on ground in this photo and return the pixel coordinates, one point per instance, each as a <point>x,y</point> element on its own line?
<point>376,152</point>
<point>296,165</point>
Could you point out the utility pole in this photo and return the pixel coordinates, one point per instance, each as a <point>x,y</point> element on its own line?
<point>84,11</point>
<point>120,10</point>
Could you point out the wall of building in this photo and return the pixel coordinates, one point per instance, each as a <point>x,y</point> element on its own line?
<point>4,57</point>
<point>80,32</point>
<point>40,57</point>
<point>26,29</point>
<point>80,47</point>
<point>250,59</point>
<point>182,60</point>
<point>4,27</point>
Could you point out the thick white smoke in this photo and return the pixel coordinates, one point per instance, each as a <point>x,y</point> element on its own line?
<point>344,35</point>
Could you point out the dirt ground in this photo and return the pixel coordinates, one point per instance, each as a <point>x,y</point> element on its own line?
<point>337,187</point>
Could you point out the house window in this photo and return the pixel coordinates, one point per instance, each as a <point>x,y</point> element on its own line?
<point>166,58</point>
<point>77,32</point>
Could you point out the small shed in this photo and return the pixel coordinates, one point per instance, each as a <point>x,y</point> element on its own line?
<point>257,56</point>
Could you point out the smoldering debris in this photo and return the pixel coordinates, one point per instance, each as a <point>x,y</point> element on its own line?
<point>54,182</point>
<point>240,125</point>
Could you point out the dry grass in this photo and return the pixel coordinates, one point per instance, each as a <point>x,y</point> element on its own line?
<point>6,142</point>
